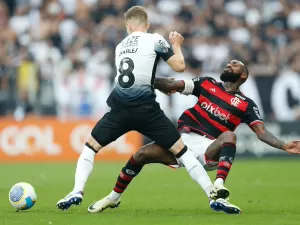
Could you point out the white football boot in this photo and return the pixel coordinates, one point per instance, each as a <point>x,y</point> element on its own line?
<point>224,206</point>
<point>69,200</point>
<point>103,204</point>
<point>219,191</point>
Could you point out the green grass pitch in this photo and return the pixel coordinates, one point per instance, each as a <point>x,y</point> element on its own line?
<point>268,192</point>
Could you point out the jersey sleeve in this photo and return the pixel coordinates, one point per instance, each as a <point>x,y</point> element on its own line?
<point>252,115</point>
<point>193,86</point>
<point>162,47</point>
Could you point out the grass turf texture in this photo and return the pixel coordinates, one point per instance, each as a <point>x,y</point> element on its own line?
<point>266,190</point>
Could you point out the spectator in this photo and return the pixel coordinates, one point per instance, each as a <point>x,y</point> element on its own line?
<point>55,47</point>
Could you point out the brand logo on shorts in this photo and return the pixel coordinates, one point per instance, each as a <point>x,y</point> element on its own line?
<point>215,111</point>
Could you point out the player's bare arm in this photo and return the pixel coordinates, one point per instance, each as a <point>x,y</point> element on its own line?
<point>266,136</point>
<point>168,85</point>
<point>176,62</point>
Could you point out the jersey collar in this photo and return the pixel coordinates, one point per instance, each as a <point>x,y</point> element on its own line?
<point>137,32</point>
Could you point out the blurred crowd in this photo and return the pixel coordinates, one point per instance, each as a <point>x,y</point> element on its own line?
<point>57,56</point>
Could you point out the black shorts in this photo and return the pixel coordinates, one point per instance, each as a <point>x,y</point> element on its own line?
<point>147,120</point>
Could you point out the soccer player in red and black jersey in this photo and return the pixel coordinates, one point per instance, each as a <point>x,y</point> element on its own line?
<point>208,130</point>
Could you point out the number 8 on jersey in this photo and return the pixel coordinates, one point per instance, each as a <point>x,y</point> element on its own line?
<point>126,78</point>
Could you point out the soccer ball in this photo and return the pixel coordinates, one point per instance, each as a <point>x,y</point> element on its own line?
<point>22,196</point>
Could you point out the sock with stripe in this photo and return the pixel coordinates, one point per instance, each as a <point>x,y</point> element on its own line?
<point>227,155</point>
<point>127,173</point>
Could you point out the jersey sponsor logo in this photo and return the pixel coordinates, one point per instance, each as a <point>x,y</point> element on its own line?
<point>257,112</point>
<point>243,98</point>
<point>132,41</point>
<point>235,101</point>
<point>215,111</point>
<point>232,119</point>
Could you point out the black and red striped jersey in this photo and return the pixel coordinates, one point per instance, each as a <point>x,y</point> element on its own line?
<point>216,110</point>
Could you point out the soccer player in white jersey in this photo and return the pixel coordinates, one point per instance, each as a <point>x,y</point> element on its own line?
<point>133,105</point>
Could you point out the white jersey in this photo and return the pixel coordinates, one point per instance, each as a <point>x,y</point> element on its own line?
<point>136,61</point>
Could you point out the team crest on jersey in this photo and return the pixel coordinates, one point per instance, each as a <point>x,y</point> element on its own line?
<point>235,101</point>
<point>164,46</point>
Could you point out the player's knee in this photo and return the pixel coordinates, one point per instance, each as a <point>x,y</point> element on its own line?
<point>177,147</point>
<point>93,144</point>
<point>229,137</point>
<point>140,157</point>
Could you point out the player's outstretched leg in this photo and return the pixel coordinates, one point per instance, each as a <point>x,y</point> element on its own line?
<point>113,200</point>
<point>84,168</point>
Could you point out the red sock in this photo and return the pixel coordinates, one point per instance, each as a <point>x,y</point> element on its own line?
<point>227,155</point>
<point>127,173</point>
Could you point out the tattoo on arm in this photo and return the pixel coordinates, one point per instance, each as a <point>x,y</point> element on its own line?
<point>271,139</point>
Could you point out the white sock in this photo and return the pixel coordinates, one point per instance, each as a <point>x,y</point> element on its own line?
<point>196,171</point>
<point>219,181</point>
<point>84,168</point>
<point>208,189</point>
<point>114,196</point>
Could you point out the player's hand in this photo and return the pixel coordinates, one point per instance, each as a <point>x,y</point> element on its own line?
<point>175,38</point>
<point>168,91</point>
<point>292,147</point>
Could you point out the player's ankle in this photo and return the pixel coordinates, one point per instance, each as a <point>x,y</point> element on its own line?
<point>77,191</point>
<point>114,196</point>
<point>219,181</point>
